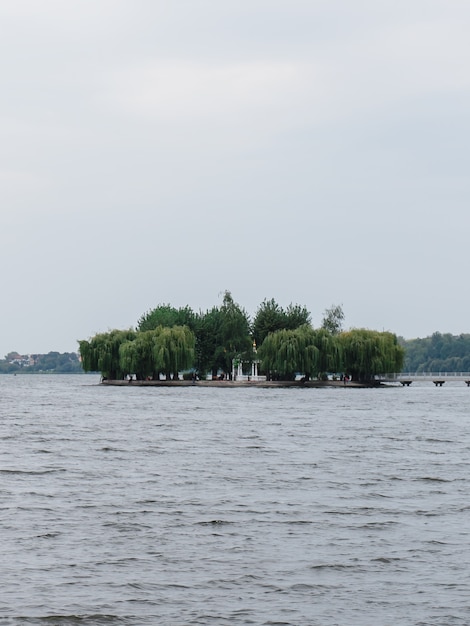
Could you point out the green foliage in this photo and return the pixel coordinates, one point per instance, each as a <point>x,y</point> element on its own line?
<point>222,334</point>
<point>296,316</point>
<point>10,368</point>
<point>367,353</point>
<point>52,362</point>
<point>101,353</point>
<point>329,350</point>
<point>234,331</point>
<point>333,319</point>
<point>136,356</point>
<point>170,340</point>
<point>303,350</point>
<point>173,350</point>
<point>437,353</point>
<point>271,317</point>
<point>283,354</point>
<point>209,353</point>
<point>168,316</point>
<point>65,363</point>
<point>149,353</point>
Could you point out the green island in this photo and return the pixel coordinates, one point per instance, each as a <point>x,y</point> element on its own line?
<point>224,342</point>
<point>223,346</point>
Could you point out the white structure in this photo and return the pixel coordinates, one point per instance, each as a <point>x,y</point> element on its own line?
<point>237,369</point>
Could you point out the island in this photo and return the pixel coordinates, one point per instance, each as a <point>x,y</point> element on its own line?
<point>223,346</point>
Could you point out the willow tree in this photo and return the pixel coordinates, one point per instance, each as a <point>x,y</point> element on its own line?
<point>329,352</point>
<point>160,351</point>
<point>129,360</point>
<point>101,353</point>
<point>173,350</point>
<point>367,353</point>
<point>137,357</point>
<point>287,352</point>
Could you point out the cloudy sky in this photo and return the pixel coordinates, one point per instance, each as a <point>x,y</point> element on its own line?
<point>311,151</point>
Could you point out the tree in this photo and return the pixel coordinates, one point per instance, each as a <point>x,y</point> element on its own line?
<point>173,350</point>
<point>304,350</point>
<point>234,332</point>
<point>149,353</point>
<point>209,352</point>
<point>287,352</point>
<point>297,316</point>
<point>367,353</point>
<point>329,351</point>
<point>271,317</point>
<point>437,353</point>
<point>101,353</point>
<point>56,362</point>
<point>222,335</point>
<point>136,357</point>
<point>333,319</point>
<point>168,316</point>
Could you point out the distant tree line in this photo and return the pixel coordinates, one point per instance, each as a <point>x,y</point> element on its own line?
<point>437,353</point>
<point>168,340</point>
<point>53,362</point>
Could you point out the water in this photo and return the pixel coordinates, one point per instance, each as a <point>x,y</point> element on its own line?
<point>205,506</point>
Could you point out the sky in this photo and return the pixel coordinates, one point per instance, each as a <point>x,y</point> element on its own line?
<point>311,151</point>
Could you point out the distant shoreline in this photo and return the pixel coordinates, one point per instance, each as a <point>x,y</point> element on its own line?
<point>52,373</point>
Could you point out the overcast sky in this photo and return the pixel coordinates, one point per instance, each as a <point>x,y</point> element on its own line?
<point>311,151</point>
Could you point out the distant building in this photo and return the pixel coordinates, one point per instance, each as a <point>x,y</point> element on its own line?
<point>23,360</point>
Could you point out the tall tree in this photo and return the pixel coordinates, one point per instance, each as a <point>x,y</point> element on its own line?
<point>209,352</point>
<point>222,335</point>
<point>234,331</point>
<point>287,352</point>
<point>173,350</point>
<point>333,319</point>
<point>367,353</point>
<point>329,352</point>
<point>137,357</point>
<point>271,317</point>
<point>168,316</point>
<point>304,350</point>
<point>297,316</point>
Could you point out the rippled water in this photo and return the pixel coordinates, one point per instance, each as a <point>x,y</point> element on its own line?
<point>233,506</point>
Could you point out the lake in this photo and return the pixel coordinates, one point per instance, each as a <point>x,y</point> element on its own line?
<point>143,506</point>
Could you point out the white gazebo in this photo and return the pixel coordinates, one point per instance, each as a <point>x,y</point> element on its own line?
<point>237,368</point>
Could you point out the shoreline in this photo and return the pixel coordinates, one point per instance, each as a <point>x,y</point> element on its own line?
<point>227,384</point>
